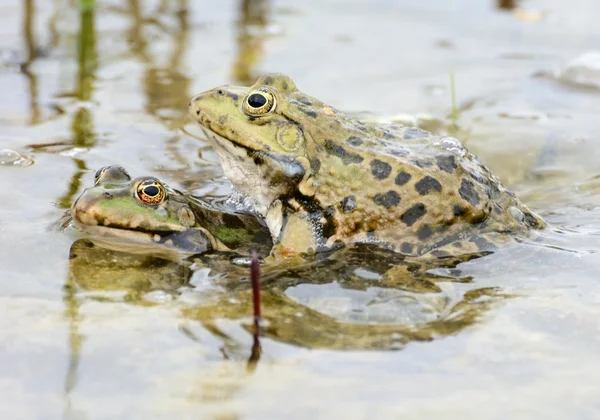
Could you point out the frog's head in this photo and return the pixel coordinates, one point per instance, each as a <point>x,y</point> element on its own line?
<point>142,210</point>
<point>264,135</point>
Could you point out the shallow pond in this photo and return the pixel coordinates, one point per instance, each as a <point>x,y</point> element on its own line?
<point>90,333</point>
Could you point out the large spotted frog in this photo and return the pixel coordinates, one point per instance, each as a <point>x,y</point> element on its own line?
<point>319,177</point>
<point>146,213</point>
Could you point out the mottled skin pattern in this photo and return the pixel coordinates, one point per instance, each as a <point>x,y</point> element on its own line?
<point>319,176</point>
<point>113,208</point>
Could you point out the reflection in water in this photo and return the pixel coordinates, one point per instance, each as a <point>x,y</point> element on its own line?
<point>64,201</point>
<point>252,23</point>
<point>392,300</point>
<point>82,125</point>
<point>378,301</point>
<point>506,4</point>
<point>102,275</point>
<point>256,311</point>
<point>166,86</point>
<point>31,48</point>
<point>75,341</point>
<point>86,54</point>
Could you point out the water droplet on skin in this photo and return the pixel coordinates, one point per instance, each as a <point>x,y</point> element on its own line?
<point>452,145</point>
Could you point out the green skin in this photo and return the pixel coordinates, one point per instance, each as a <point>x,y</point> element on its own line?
<point>113,209</point>
<point>318,176</point>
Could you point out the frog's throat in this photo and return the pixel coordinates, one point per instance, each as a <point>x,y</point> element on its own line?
<point>253,173</point>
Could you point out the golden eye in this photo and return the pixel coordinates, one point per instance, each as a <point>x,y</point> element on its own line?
<point>151,191</point>
<point>259,102</point>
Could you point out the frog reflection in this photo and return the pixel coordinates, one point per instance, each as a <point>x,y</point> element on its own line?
<point>417,305</point>
<point>381,309</point>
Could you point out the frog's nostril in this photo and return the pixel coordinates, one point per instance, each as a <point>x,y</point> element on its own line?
<point>220,92</point>
<point>108,195</point>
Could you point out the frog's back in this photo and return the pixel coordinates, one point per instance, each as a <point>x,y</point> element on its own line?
<point>419,192</point>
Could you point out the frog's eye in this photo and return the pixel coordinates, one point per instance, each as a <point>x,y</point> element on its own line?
<point>259,102</point>
<point>151,191</point>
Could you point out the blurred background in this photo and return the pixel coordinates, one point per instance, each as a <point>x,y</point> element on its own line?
<point>94,335</point>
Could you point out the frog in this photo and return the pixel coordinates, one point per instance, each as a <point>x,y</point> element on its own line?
<point>321,178</point>
<point>147,213</point>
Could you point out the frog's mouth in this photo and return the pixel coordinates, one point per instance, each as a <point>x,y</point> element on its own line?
<point>191,241</point>
<point>186,240</point>
<point>262,176</point>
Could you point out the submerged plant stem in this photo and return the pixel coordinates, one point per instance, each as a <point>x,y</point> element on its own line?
<point>255,280</point>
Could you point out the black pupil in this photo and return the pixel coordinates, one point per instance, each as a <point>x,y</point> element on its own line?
<point>256,100</point>
<point>98,173</point>
<point>151,191</point>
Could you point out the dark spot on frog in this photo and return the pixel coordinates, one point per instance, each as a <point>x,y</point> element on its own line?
<point>468,193</point>
<point>428,184</point>
<point>421,163</point>
<point>457,244</point>
<point>479,178</point>
<point>108,195</point>
<point>531,220</point>
<point>358,227</point>
<point>406,248</point>
<point>494,191</point>
<point>305,101</point>
<point>425,232</point>
<point>268,80</point>
<point>284,85</point>
<point>232,221</point>
<point>414,133</point>
<point>413,214</point>
<point>497,209</point>
<point>397,152</point>
<point>233,96</point>
<point>354,141</point>
<point>348,204</point>
<point>387,135</point>
<point>459,211</point>
<point>402,178</point>
<point>446,163</point>
<point>337,150</point>
<point>223,119</point>
<point>330,225</point>
<point>388,199</point>
<point>315,165</point>
<point>440,253</point>
<point>483,244</point>
<point>329,211</point>
<point>361,126</point>
<point>258,160</point>
<point>308,111</point>
<point>380,169</point>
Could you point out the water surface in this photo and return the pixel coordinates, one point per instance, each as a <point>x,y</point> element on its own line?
<point>88,333</point>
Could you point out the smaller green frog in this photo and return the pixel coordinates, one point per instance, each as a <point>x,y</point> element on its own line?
<point>146,212</point>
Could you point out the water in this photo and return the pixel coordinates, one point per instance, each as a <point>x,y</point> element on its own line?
<point>89,333</point>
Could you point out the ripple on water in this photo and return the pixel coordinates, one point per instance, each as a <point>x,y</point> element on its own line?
<point>10,157</point>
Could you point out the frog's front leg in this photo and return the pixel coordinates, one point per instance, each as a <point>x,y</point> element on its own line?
<point>292,232</point>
